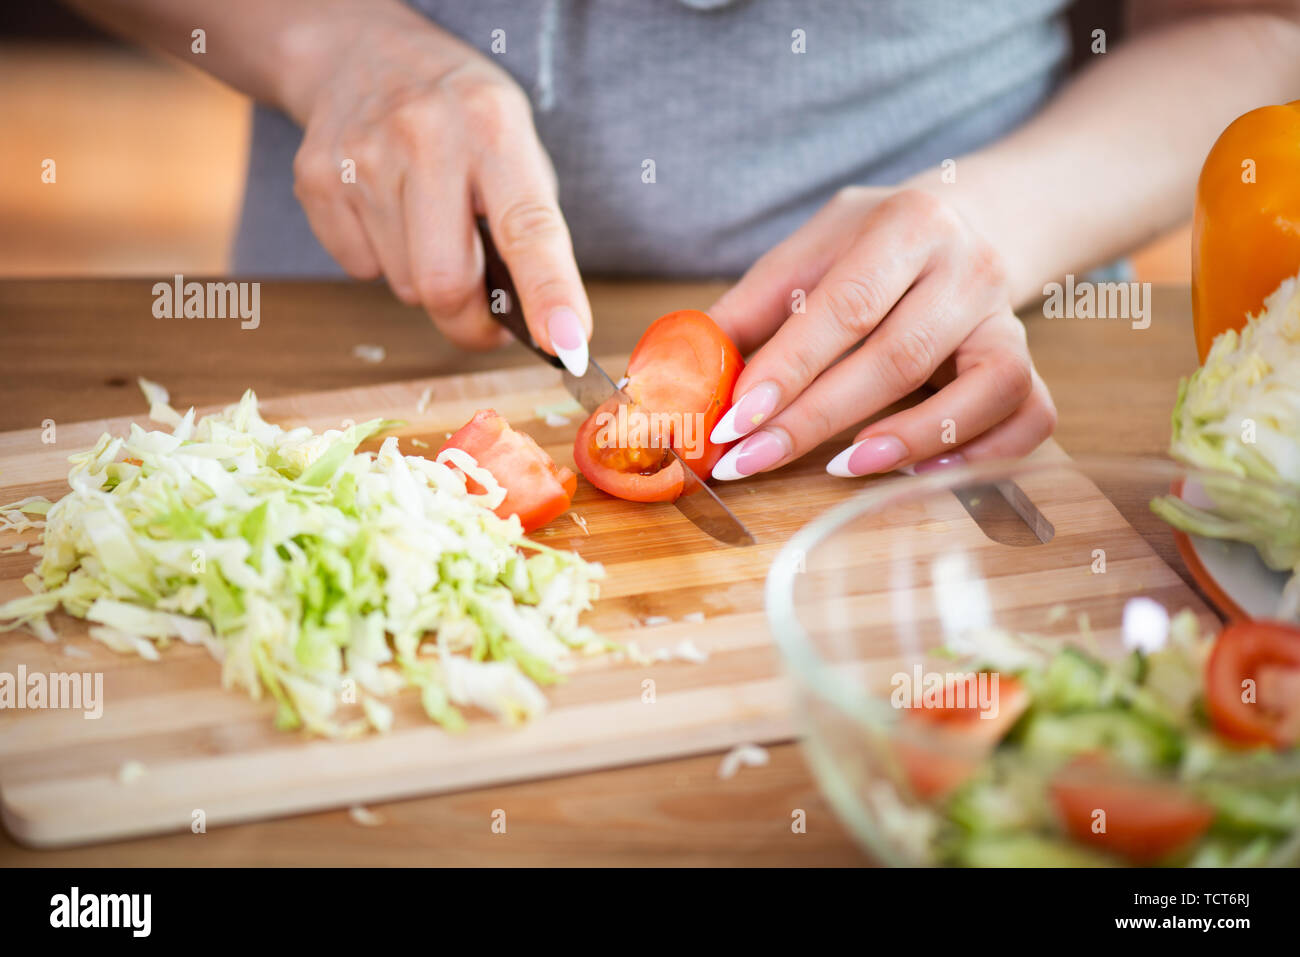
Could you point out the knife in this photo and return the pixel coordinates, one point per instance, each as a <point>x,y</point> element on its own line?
<point>699,503</point>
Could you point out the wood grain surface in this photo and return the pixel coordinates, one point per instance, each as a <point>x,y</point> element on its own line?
<point>82,343</point>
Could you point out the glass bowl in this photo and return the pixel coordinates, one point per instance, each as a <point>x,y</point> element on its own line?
<point>923,583</point>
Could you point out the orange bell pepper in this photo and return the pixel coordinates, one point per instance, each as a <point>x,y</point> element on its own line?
<point>1246,231</point>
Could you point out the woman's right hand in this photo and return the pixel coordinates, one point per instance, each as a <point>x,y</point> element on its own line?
<point>437,135</point>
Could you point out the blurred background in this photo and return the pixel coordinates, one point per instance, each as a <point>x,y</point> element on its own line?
<point>150,159</point>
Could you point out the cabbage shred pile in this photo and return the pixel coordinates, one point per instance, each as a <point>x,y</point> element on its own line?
<point>1239,414</point>
<point>326,578</point>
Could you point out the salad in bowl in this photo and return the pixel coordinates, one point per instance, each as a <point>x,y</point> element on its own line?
<point>975,699</point>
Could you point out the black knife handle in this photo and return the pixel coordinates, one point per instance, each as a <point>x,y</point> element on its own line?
<point>497,281</point>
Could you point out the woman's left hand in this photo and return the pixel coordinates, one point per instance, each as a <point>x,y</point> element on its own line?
<point>899,292</point>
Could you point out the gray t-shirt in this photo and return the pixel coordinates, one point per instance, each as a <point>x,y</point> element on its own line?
<point>747,136</point>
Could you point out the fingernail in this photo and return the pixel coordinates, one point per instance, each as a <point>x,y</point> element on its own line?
<point>568,339</point>
<point>760,451</point>
<point>940,462</point>
<point>749,412</point>
<point>880,453</point>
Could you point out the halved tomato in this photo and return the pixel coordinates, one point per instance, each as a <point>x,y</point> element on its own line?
<point>1252,683</point>
<point>1143,821</point>
<point>962,738</point>
<point>537,490</point>
<point>679,379</point>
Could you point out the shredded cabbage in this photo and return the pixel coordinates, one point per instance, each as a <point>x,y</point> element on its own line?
<point>1240,414</point>
<point>326,578</point>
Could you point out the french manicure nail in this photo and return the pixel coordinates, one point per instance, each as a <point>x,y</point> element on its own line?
<point>747,414</point>
<point>760,451</point>
<point>879,453</point>
<point>940,462</point>
<point>568,339</point>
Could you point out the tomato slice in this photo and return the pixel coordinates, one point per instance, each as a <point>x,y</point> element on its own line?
<point>1266,653</point>
<point>1144,820</point>
<point>537,490</point>
<point>679,378</point>
<point>962,740</point>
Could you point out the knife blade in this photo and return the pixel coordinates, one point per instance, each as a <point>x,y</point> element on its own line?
<point>699,503</point>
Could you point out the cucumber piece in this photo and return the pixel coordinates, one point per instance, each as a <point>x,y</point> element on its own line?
<point>989,809</point>
<point>1024,850</point>
<point>1253,810</point>
<point>1227,852</point>
<point>1135,667</point>
<point>1172,689</point>
<point>1072,681</point>
<point>1132,739</point>
<point>1010,798</point>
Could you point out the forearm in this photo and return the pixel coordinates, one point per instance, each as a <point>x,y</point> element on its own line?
<point>1113,161</point>
<point>275,52</point>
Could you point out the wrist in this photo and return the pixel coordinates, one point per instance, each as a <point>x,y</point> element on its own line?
<point>308,50</point>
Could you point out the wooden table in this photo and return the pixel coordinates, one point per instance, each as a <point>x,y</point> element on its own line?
<point>72,350</point>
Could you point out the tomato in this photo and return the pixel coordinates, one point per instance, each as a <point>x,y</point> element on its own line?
<point>537,490</point>
<point>679,378</point>
<point>1268,654</point>
<point>962,739</point>
<point>1144,820</point>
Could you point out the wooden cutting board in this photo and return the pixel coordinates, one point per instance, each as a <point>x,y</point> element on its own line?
<point>192,746</point>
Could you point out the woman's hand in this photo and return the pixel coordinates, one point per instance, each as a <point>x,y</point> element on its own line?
<point>900,292</point>
<point>437,135</point>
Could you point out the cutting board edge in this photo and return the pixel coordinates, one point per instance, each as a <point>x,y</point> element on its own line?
<point>765,730</point>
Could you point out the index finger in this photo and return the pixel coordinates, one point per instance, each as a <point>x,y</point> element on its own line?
<point>518,197</point>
